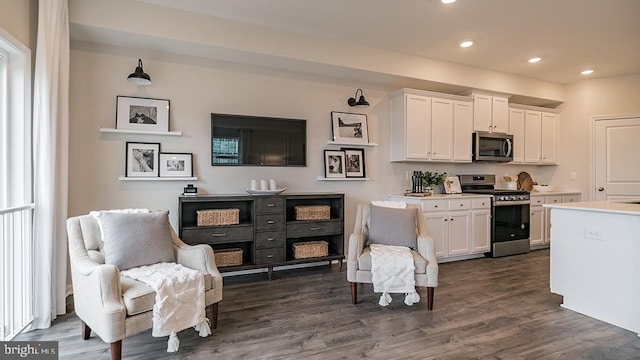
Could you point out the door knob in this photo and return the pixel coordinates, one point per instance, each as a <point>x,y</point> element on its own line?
<point>600,188</point>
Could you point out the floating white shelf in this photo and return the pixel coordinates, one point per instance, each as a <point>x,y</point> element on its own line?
<point>126,178</point>
<point>321,178</point>
<point>350,144</point>
<point>142,132</point>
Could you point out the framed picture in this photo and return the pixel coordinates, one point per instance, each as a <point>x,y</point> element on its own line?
<point>334,166</point>
<point>349,128</point>
<point>134,113</point>
<point>176,164</point>
<point>142,159</point>
<point>452,185</point>
<point>354,162</point>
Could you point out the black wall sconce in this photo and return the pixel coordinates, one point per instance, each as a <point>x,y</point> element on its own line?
<point>361,101</point>
<point>139,77</point>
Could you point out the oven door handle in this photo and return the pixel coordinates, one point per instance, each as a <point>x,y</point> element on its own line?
<point>511,203</point>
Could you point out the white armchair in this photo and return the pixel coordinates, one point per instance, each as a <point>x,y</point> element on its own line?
<point>359,255</point>
<point>114,306</point>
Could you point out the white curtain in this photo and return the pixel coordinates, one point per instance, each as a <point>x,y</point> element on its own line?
<point>51,148</point>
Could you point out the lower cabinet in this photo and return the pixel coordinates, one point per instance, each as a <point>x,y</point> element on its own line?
<point>540,217</point>
<point>460,226</point>
<point>266,228</point>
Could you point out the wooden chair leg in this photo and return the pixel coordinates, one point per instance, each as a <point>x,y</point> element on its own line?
<point>116,350</point>
<point>354,293</point>
<point>430,291</point>
<point>86,331</point>
<point>212,315</point>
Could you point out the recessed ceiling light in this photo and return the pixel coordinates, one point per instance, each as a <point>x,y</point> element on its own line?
<point>448,1</point>
<point>587,72</point>
<point>466,44</point>
<point>534,60</point>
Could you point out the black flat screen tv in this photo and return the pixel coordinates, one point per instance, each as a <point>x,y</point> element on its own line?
<point>243,140</point>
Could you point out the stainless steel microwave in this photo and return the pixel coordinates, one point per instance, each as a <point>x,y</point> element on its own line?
<point>492,147</point>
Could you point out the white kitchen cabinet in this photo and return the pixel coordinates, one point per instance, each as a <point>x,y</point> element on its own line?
<point>490,113</point>
<point>462,130</point>
<point>481,225</point>
<point>540,218</point>
<point>438,229</point>
<point>428,126</point>
<point>516,128</point>
<point>535,134</point>
<point>549,139</point>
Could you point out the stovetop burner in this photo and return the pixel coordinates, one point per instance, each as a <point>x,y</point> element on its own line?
<point>485,184</point>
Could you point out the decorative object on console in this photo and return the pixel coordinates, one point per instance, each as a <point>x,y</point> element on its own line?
<point>312,212</point>
<point>176,164</point>
<point>361,100</point>
<point>218,217</point>
<point>190,190</point>
<point>139,77</point>
<point>310,249</point>
<point>349,128</point>
<point>524,181</point>
<point>354,162</point>
<point>135,113</point>
<point>228,257</point>
<point>334,166</point>
<point>142,159</point>
<point>433,179</point>
<point>452,185</point>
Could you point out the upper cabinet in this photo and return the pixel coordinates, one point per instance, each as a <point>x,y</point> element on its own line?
<point>535,134</point>
<point>490,113</point>
<point>428,126</point>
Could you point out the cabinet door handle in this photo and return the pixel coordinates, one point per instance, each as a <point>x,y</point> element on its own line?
<point>314,228</point>
<point>463,204</point>
<point>219,235</point>
<point>451,219</point>
<point>270,256</point>
<point>435,206</point>
<point>271,222</point>
<point>271,205</point>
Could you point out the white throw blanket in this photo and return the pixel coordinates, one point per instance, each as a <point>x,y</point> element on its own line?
<point>179,299</point>
<point>393,272</point>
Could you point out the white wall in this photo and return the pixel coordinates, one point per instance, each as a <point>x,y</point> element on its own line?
<point>19,17</point>
<point>97,159</point>
<point>585,100</point>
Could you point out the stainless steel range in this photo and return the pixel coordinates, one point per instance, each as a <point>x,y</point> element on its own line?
<point>509,213</point>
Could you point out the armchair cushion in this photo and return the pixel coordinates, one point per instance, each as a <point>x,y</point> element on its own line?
<point>364,261</point>
<point>132,240</point>
<point>392,226</point>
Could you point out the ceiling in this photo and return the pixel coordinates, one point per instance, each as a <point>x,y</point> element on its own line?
<point>569,35</point>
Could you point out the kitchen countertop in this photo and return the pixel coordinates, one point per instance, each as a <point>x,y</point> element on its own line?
<point>628,207</point>
<point>554,192</point>
<point>440,196</point>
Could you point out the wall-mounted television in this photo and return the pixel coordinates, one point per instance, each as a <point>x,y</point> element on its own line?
<point>243,140</point>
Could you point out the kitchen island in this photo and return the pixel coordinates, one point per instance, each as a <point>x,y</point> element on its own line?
<point>595,266</point>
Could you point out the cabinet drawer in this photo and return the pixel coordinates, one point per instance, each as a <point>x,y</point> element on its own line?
<point>269,239</point>
<point>269,256</point>
<point>221,234</point>
<point>459,204</point>
<point>271,205</point>
<point>537,200</point>
<point>570,198</point>
<point>434,205</point>
<point>269,222</point>
<point>481,203</point>
<point>316,228</point>
<point>553,199</point>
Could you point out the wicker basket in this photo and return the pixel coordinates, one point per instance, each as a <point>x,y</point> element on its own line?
<point>313,212</point>
<point>228,257</point>
<point>310,249</point>
<point>216,217</point>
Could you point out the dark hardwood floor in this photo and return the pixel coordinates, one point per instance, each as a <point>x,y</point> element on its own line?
<point>484,309</point>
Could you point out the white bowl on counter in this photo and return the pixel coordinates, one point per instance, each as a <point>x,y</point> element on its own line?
<point>543,188</point>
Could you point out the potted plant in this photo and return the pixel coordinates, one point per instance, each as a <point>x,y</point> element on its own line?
<point>433,179</point>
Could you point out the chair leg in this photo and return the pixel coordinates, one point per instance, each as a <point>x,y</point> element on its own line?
<point>116,350</point>
<point>430,291</point>
<point>354,293</point>
<point>212,315</point>
<point>86,331</point>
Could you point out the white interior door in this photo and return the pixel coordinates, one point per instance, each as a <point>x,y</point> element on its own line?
<point>617,157</point>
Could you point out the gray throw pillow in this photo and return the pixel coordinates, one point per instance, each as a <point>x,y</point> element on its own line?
<point>389,226</point>
<point>132,240</point>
